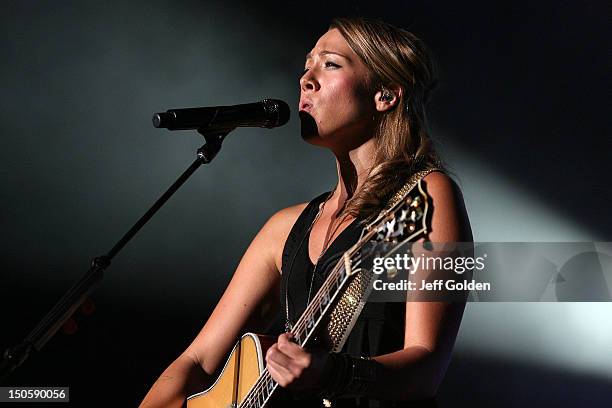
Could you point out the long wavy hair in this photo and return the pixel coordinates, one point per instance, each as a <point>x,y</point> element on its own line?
<point>402,143</point>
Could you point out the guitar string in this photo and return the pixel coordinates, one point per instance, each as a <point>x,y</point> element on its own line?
<point>302,330</point>
<point>261,382</point>
<point>265,379</point>
<point>308,323</point>
<point>315,305</point>
<point>261,385</point>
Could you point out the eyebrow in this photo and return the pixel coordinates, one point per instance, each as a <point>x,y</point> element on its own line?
<point>326,52</point>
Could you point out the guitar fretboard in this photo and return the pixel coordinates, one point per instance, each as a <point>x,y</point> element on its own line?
<point>316,309</point>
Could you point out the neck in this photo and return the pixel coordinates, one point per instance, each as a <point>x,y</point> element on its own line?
<point>353,167</point>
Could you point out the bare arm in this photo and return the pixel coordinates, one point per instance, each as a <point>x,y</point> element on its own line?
<point>431,327</point>
<point>255,281</point>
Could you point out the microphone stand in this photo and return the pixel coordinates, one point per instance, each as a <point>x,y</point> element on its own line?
<point>15,356</point>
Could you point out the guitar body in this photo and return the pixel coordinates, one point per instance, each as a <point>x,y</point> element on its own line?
<point>242,369</point>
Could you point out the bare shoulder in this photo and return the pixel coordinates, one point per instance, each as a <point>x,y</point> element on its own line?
<point>282,221</point>
<point>285,218</point>
<point>450,220</point>
<point>279,226</point>
<point>439,184</point>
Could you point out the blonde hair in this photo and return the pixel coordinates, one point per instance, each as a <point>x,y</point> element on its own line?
<point>402,143</point>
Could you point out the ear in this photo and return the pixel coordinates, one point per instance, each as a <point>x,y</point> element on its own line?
<point>387,97</point>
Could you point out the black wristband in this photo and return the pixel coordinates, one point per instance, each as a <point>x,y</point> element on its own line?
<point>364,374</point>
<point>340,375</point>
<point>351,376</point>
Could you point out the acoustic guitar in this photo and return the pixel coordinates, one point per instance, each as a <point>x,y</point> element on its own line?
<point>328,319</point>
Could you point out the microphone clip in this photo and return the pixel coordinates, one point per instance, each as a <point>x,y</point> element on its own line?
<point>214,139</point>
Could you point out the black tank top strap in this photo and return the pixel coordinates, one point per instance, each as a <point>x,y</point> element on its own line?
<point>300,228</point>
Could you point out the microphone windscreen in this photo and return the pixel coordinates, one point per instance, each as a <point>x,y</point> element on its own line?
<point>277,111</point>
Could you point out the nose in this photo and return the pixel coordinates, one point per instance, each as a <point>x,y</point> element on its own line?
<point>308,82</point>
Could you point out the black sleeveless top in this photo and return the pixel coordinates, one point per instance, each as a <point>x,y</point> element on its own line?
<point>379,328</point>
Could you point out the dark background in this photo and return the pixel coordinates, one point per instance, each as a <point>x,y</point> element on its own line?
<point>519,115</point>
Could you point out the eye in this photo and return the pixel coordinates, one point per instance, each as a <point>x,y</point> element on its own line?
<point>328,64</point>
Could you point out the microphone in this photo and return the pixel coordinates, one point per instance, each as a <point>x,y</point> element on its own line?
<point>268,113</point>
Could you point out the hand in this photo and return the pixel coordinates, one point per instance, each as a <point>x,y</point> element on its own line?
<point>292,367</point>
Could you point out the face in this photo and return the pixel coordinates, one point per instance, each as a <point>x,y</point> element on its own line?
<point>336,103</point>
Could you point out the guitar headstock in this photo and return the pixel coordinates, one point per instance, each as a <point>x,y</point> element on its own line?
<point>405,221</point>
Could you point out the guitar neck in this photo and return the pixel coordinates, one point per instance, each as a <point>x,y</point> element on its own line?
<point>317,309</point>
<point>304,328</point>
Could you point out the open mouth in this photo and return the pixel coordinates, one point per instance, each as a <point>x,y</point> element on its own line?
<point>305,106</point>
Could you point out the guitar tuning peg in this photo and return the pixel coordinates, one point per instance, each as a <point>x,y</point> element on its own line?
<point>399,230</point>
<point>419,212</point>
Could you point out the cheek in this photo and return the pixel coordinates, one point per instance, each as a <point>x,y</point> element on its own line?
<point>346,100</point>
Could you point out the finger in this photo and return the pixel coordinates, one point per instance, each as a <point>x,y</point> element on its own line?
<point>280,374</point>
<point>289,366</point>
<point>275,374</point>
<point>276,355</point>
<point>291,349</point>
<point>285,338</point>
